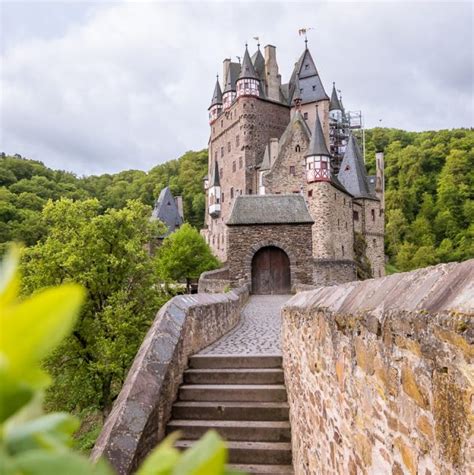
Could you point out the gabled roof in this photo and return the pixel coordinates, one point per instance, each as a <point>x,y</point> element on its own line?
<point>334,104</point>
<point>215,180</point>
<point>232,76</point>
<point>247,71</point>
<point>317,146</point>
<point>269,209</point>
<point>166,210</point>
<point>352,173</point>
<point>217,96</point>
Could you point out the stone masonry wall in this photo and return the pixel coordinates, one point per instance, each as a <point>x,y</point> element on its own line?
<point>379,374</point>
<point>214,281</point>
<point>239,137</point>
<point>182,327</point>
<point>331,210</point>
<point>330,272</point>
<point>294,239</point>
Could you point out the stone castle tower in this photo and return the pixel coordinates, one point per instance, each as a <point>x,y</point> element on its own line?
<point>270,140</point>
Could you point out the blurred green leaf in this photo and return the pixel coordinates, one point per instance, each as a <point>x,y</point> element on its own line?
<point>9,278</point>
<point>162,459</point>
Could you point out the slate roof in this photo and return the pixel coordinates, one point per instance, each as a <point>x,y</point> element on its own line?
<point>166,210</point>
<point>334,104</point>
<point>217,96</point>
<point>317,146</point>
<point>247,71</point>
<point>258,62</point>
<point>215,180</point>
<point>353,174</point>
<point>269,209</point>
<point>312,88</point>
<point>232,76</point>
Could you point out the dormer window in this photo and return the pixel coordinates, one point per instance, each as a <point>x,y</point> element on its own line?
<point>314,88</point>
<point>306,66</point>
<point>305,116</point>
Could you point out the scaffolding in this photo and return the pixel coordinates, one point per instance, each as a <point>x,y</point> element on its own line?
<point>339,129</point>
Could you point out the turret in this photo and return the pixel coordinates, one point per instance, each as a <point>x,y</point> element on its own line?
<point>215,193</point>
<point>380,179</point>
<point>297,94</point>
<point>216,103</point>
<point>248,83</point>
<point>318,160</point>
<point>335,107</point>
<point>231,73</point>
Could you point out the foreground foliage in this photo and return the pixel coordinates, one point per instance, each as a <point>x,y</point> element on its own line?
<point>35,444</point>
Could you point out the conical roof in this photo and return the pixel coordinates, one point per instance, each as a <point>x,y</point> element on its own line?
<point>297,92</point>
<point>217,96</point>
<point>317,145</point>
<point>335,103</point>
<point>353,174</point>
<point>266,165</point>
<point>215,181</point>
<point>247,71</point>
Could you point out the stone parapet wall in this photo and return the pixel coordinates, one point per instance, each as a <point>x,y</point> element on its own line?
<point>330,272</point>
<point>379,374</point>
<point>214,281</point>
<point>182,327</point>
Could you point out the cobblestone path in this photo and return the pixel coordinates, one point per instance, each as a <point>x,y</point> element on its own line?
<point>258,332</point>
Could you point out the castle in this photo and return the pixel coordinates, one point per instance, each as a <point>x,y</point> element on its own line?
<point>287,188</point>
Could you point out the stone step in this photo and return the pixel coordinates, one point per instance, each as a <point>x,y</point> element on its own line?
<point>233,361</point>
<point>262,469</point>
<point>259,431</point>
<point>234,376</point>
<point>235,411</point>
<point>233,392</point>
<point>260,453</point>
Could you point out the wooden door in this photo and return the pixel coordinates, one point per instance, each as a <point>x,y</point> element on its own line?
<point>271,272</point>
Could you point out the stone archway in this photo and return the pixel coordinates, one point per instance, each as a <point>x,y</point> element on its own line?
<point>271,271</point>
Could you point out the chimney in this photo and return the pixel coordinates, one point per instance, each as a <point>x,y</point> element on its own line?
<point>380,178</point>
<point>226,65</point>
<point>179,204</point>
<point>273,79</point>
<point>273,150</point>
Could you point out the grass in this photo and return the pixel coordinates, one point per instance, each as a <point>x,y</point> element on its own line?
<point>390,269</point>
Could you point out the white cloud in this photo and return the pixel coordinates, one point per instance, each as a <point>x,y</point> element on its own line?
<point>128,85</point>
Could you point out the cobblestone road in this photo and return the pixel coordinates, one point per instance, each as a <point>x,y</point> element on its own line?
<point>258,332</point>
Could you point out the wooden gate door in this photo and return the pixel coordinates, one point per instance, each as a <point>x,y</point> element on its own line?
<point>271,272</point>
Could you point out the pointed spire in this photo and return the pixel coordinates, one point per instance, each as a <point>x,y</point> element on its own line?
<point>334,104</point>
<point>353,174</point>
<point>247,70</point>
<point>217,96</point>
<point>317,146</point>
<point>215,181</point>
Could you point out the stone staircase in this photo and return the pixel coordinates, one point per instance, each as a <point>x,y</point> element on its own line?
<point>244,399</point>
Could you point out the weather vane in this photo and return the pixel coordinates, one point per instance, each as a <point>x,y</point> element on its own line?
<point>257,39</point>
<point>304,31</point>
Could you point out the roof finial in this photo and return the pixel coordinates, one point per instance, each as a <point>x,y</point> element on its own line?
<point>257,39</point>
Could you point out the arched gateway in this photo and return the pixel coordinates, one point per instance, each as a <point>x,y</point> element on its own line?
<point>271,271</point>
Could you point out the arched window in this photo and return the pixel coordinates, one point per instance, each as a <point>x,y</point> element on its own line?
<point>297,148</point>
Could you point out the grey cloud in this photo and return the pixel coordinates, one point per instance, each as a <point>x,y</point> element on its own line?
<point>128,85</point>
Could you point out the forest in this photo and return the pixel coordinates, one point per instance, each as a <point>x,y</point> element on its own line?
<point>93,230</point>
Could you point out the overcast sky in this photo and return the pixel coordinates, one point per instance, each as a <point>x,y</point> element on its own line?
<point>101,86</point>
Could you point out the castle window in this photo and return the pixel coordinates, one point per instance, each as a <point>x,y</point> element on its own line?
<point>297,148</point>
<point>231,193</point>
<point>213,129</point>
<point>233,166</point>
<point>220,173</point>
<point>222,152</point>
<point>222,197</point>
<point>314,88</point>
<point>301,91</point>
<point>380,212</point>
<point>306,66</point>
<point>222,123</point>
<point>343,250</point>
<point>240,162</point>
<point>338,223</point>
<point>356,215</point>
<point>310,193</point>
<point>292,170</point>
<point>305,116</point>
<point>373,214</point>
<point>324,165</point>
<point>237,140</point>
<point>228,146</point>
<point>346,225</point>
<point>335,197</point>
<point>250,191</point>
<point>374,241</point>
<point>344,201</point>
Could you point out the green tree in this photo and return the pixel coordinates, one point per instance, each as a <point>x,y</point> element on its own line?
<point>106,254</point>
<point>184,255</point>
